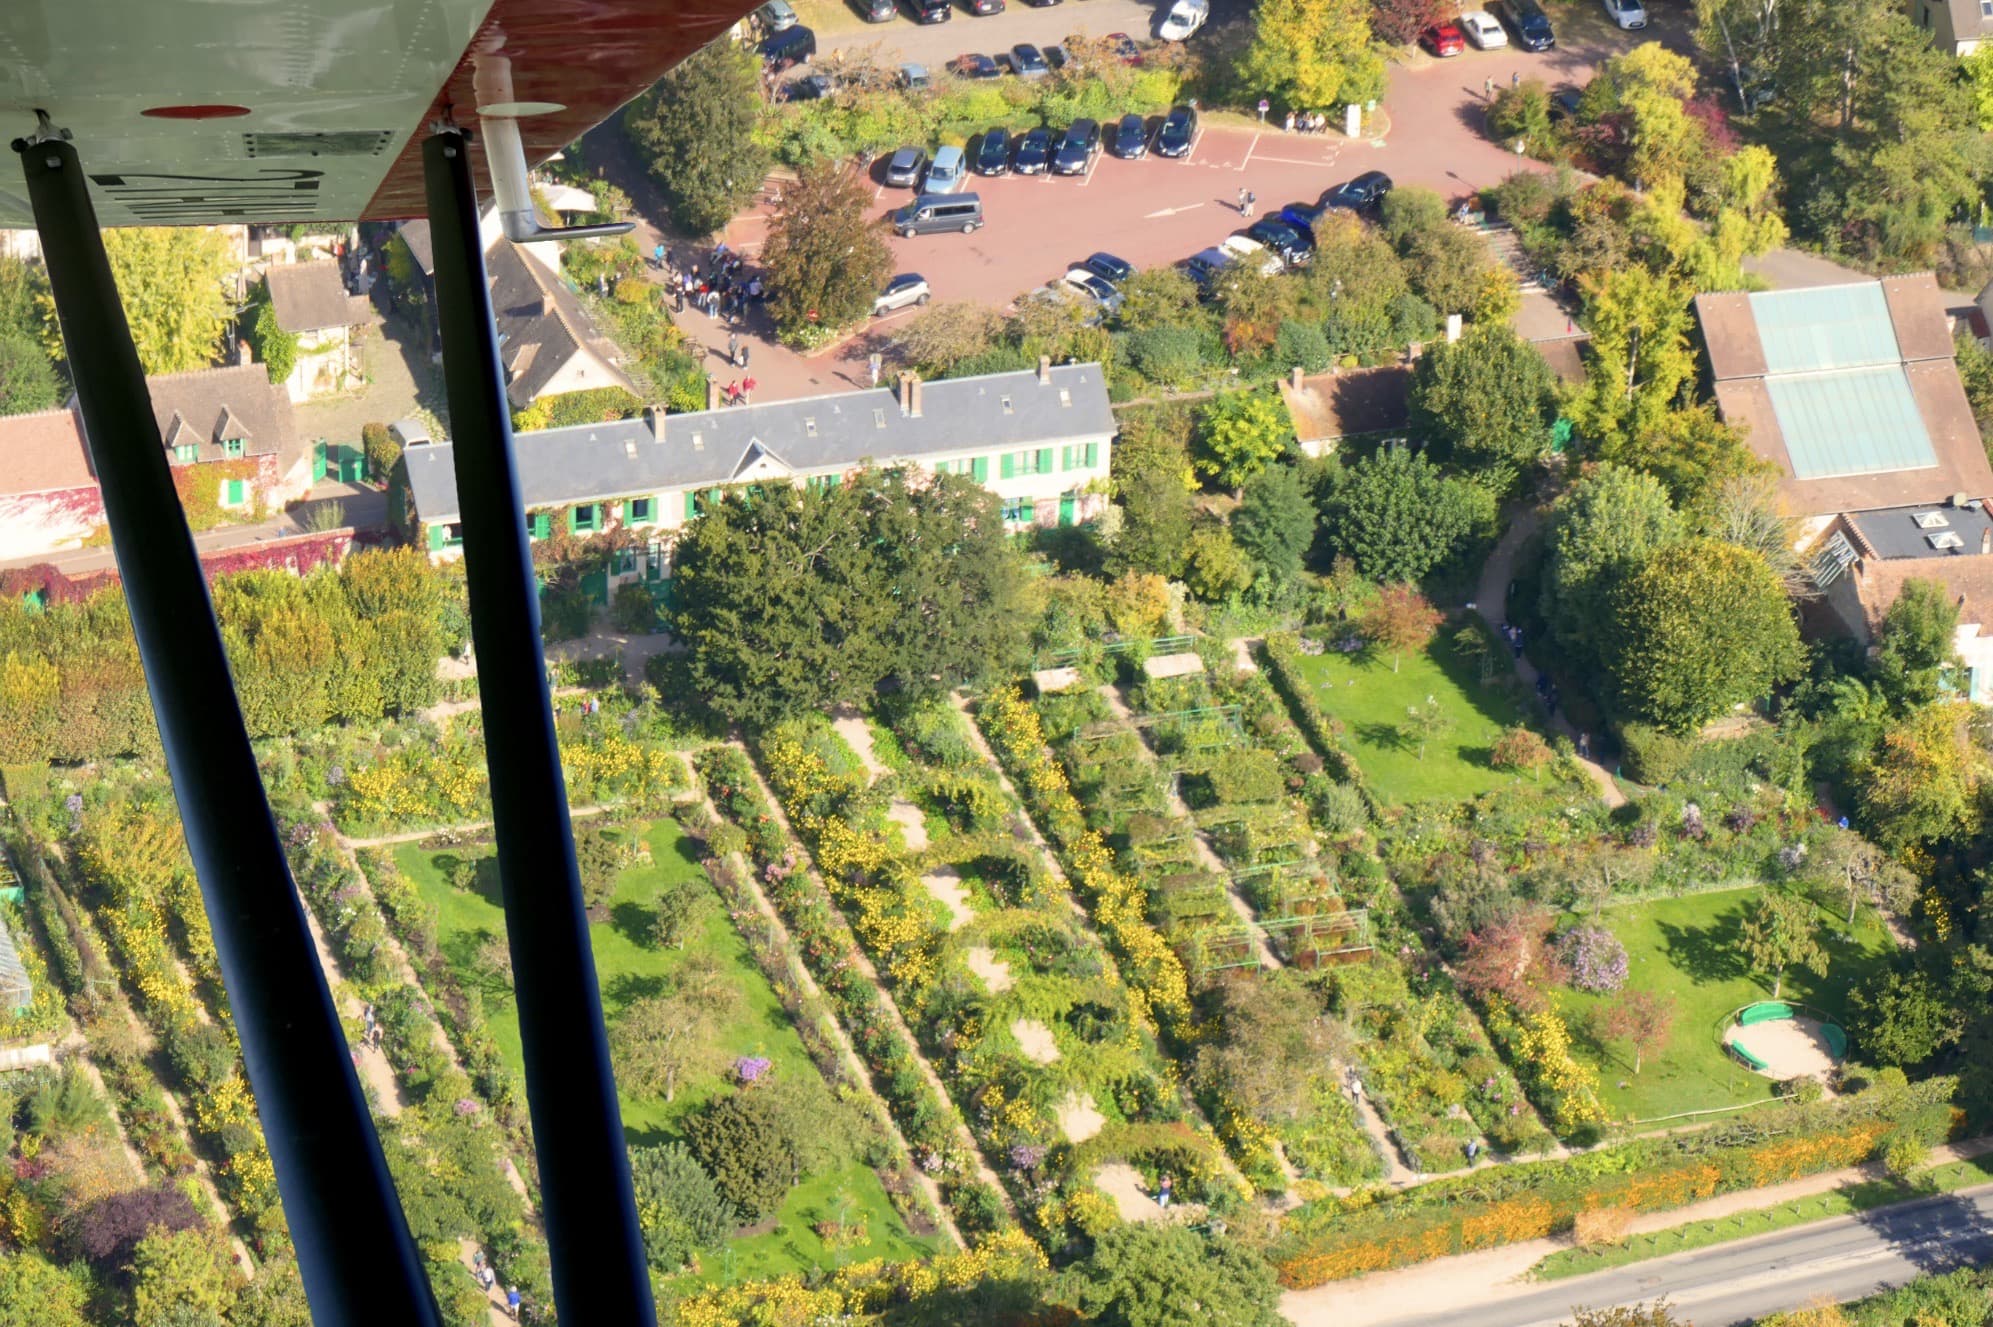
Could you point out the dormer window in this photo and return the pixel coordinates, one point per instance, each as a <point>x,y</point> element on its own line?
<point>185,453</point>
<point>232,448</point>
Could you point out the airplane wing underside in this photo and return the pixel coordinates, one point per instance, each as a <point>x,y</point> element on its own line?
<point>191,112</point>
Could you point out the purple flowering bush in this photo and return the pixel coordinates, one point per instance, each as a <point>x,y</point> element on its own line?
<point>751,1069</point>
<point>1594,958</point>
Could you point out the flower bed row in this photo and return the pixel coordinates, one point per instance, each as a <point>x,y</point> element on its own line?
<point>928,1122</point>
<point>1280,652</point>
<point>446,1119</point>
<point>1332,1240</point>
<point>812,1017</point>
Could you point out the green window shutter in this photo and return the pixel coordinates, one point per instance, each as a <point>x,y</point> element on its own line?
<point>1044,460</point>
<point>640,512</point>
<point>691,505</point>
<point>1065,458</point>
<point>231,448</point>
<point>1008,469</point>
<point>1092,455</point>
<point>573,520</point>
<point>540,525</point>
<point>980,469</point>
<point>435,539</point>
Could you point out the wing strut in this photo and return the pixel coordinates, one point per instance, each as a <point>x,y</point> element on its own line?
<point>600,1275</point>
<point>358,1262</point>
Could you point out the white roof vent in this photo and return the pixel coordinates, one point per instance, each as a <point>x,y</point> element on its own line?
<point>630,448</point>
<point>1008,408</point>
<point>879,419</point>
<point>810,426</point>
<point>1945,539</point>
<point>698,442</point>
<point>1931,520</point>
<point>1065,397</point>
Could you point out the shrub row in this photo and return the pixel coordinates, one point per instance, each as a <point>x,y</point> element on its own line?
<point>1370,1232</point>
<point>1282,652</point>
<point>930,1124</point>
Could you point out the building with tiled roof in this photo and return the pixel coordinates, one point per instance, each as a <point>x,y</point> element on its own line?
<point>311,303</point>
<point>1852,392</point>
<point>230,426</point>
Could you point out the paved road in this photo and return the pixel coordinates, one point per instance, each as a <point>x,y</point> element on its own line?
<point>1837,1260</point>
<point>935,44</point>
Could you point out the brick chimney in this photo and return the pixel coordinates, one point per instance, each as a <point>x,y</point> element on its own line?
<point>1044,370</point>
<point>546,304</point>
<point>654,412</point>
<point>244,352</point>
<point>1295,377</point>
<point>712,393</point>
<point>914,407</point>
<point>910,394</point>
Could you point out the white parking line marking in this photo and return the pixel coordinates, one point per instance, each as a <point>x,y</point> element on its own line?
<point>1092,165</point>
<point>1247,160</point>
<point>1193,144</point>
<point>1172,211</point>
<point>1297,161</point>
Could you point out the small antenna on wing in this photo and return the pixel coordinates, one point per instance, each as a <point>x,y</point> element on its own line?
<point>499,113</point>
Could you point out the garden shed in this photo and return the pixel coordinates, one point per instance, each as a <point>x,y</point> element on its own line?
<point>16,992</point>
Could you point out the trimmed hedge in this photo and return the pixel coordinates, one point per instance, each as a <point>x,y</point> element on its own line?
<point>1281,652</point>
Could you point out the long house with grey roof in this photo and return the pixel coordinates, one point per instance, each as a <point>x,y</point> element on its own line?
<point>1038,440</point>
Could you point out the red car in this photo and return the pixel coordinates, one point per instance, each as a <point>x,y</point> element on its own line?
<point>1444,39</point>
<point>1123,48</point>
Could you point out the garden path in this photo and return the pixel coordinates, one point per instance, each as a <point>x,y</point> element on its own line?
<point>1079,1117</point>
<point>1123,1183</point>
<point>853,1066</point>
<point>74,1045</point>
<point>994,971</point>
<point>1034,1040</point>
<point>946,886</point>
<point>849,724</point>
<point>417,835</point>
<point>1205,852</point>
<point>1490,600</point>
<point>863,962</point>
<point>1396,1172</point>
<point>1472,1279</point>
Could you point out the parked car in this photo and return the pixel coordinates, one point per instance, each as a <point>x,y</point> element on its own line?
<point>1244,249</point>
<point>791,46</point>
<point>1123,48</point>
<point>1033,153</point>
<point>1302,217</point>
<point>929,215</point>
<point>1131,137</point>
<point>983,8</point>
<point>1444,39</point>
<point>1026,61</point>
<point>1361,194</point>
<point>1204,266</point>
<point>1184,18</point>
<point>1754,91</point>
<point>776,16</point>
<point>1629,14</point>
<point>930,11</point>
<point>809,88</point>
<point>1091,285</point>
<point>875,11</point>
<point>914,77</point>
<point>1527,22</point>
<point>1056,57</point>
<point>903,291</point>
<point>1563,103</point>
<point>1482,30</point>
<point>1077,149</point>
<point>993,152</point>
<point>1041,4</point>
<point>975,66</point>
<point>946,172</point>
<point>1294,245</point>
<point>904,168</point>
<point>1109,268</point>
<point>1179,131</point>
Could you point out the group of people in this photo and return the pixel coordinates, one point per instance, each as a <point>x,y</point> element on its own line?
<point>718,287</point>
<point>1308,122</point>
<point>486,1278</point>
<point>740,391</point>
<point>373,1027</point>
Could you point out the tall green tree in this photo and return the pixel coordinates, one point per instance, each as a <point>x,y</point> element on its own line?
<point>188,1269</point>
<point>178,288</point>
<point>1917,642</point>
<point>1486,402</point>
<point>1781,931</point>
<point>1640,351</point>
<point>1922,782</point>
<point>28,380</point>
<point>696,130</point>
<point>1155,525</point>
<point>36,1293</point>
<point>1397,517</point>
<point>1312,54</point>
<point>1275,523</point>
<point>1601,532</point>
<point>681,1210</point>
<point>1702,626</point>
<point>1239,433</point>
<point>1149,1275</point>
<point>826,255</point>
<point>1689,450</point>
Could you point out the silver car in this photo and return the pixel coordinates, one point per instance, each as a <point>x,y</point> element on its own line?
<point>906,290</point>
<point>946,173</point>
<point>1631,15</point>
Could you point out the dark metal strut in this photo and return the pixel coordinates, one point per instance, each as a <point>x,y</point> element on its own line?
<point>600,1274</point>
<point>359,1264</point>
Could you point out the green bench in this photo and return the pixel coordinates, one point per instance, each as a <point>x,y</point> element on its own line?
<point>1744,1054</point>
<point>1765,1011</point>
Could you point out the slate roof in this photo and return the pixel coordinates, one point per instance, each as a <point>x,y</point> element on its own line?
<point>415,234</point>
<point>46,451</point>
<point>819,434</point>
<point>1908,532</point>
<point>541,325</point>
<point>309,296</point>
<point>1850,390</point>
<point>1969,22</point>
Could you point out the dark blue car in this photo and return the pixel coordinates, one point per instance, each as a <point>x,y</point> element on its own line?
<point>1077,149</point>
<point>1034,152</point>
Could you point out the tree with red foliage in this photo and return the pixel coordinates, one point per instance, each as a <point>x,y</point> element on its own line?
<point>1512,959</point>
<point>1641,1019</point>
<point>1401,620</point>
<point>1399,22</point>
<point>108,1230</point>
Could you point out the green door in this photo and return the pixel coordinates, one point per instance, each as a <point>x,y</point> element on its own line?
<point>1069,508</point>
<point>595,584</point>
<point>318,460</point>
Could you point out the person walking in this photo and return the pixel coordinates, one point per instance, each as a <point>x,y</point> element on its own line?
<point>1488,88</point>
<point>1242,201</point>
<point>1290,122</point>
<point>1251,199</point>
<point>741,362</point>
<point>657,256</point>
<point>874,362</point>
<point>1163,1193</point>
<point>1515,79</point>
<point>733,348</point>
<point>512,1301</point>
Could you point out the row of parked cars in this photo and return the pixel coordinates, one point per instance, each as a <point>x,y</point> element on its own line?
<point>1041,151</point>
<point>1286,238</point>
<point>1489,29</point>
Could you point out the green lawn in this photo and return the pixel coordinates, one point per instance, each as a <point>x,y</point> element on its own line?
<point>758,1025</point>
<point>1682,947</point>
<point>1371,700</point>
